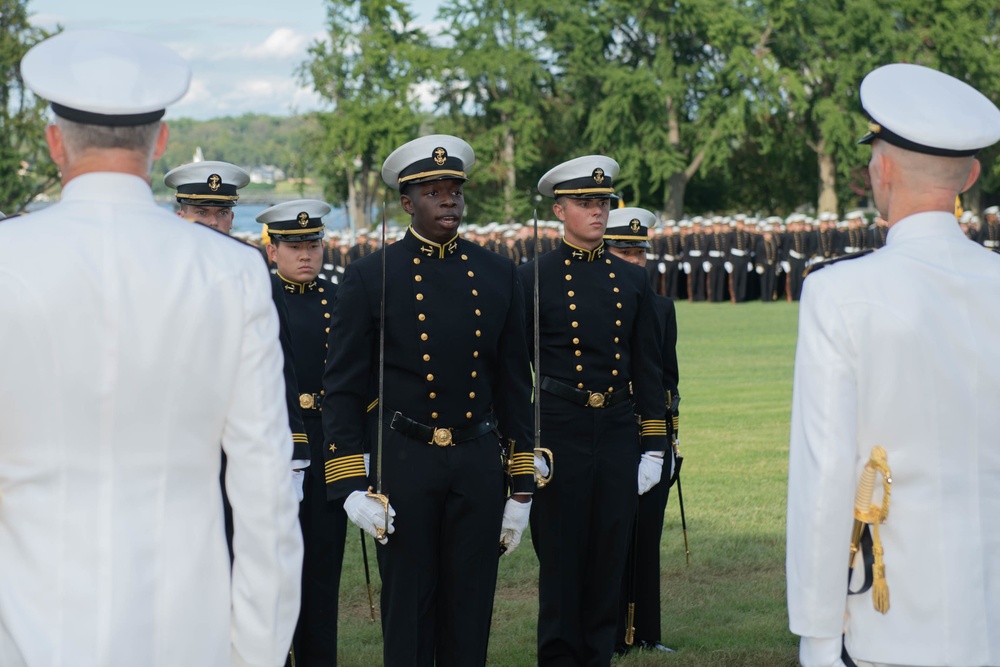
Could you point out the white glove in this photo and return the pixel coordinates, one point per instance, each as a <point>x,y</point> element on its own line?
<point>367,463</point>
<point>687,268</point>
<point>541,466</point>
<point>749,267</point>
<point>820,651</point>
<point>368,515</point>
<point>786,267</point>
<point>706,266</point>
<point>298,481</point>
<point>515,520</point>
<point>662,267</point>
<point>729,267</point>
<point>650,469</point>
<point>760,269</point>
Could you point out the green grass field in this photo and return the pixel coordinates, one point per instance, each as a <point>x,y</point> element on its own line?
<point>727,609</point>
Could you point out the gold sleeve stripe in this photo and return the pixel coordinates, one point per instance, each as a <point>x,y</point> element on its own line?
<point>299,437</point>
<point>524,456</point>
<point>371,406</point>
<point>677,423</point>
<point>352,461</point>
<point>523,470</point>
<point>653,430</point>
<point>331,477</point>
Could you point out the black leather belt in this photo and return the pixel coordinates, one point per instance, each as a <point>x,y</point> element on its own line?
<point>311,401</point>
<point>590,399</point>
<point>436,435</point>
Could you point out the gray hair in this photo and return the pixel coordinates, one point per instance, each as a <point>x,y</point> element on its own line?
<point>78,137</point>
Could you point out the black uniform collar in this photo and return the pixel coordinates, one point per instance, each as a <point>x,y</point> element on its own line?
<point>579,254</point>
<point>425,248</point>
<point>293,287</point>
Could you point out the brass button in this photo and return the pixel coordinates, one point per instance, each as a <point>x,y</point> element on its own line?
<point>579,385</point>
<point>427,357</point>
<point>326,315</point>
<point>323,302</point>
<point>618,305</point>
<point>472,394</point>
<point>468,415</point>
<point>420,297</point>
<point>567,262</point>
<point>576,341</point>
<point>478,333</point>
<point>430,377</point>
<point>423,336</point>
<point>475,374</point>
<point>616,339</point>
<point>421,317</point>
<point>618,323</point>
<point>569,277</point>
<point>614,372</point>
<point>579,368</point>
<point>578,353</point>
<point>572,306</point>
<point>475,355</point>
<point>321,289</point>
<point>416,260</point>
<point>475,292</point>
<point>611,275</point>
<point>434,415</point>
<point>571,293</point>
<point>574,324</point>
<point>617,290</point>
<point>607,261</point>
<point>418,278</point>
<point>478,312</point>
<point>433,394</point>
<point>328,329</point>
<point>464,256</point>
<point>618,356</point>
<point>471,274</point>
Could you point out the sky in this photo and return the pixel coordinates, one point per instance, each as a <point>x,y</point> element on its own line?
<point>243,53</point>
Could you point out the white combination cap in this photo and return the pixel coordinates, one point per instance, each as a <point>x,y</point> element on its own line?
<point>105,77</point>
<point>297,220</point>
<point>587,177</point>
<point>208,183</point>
<point>436,157</point>
<point>926,111</point>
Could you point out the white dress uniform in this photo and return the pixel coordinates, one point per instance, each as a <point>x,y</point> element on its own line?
<point>895,351</point>
<point>891,353</point>
<point>150,341</point>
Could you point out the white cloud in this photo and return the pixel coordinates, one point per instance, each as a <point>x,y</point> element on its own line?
<point>283,43</point>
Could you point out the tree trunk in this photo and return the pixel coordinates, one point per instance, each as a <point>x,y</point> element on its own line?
<point>510,177</point>
<point>827,180</point>
<point>673,207</point>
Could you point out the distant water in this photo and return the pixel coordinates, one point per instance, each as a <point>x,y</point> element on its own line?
<point>245,217</point>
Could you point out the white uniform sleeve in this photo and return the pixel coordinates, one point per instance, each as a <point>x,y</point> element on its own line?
<point>267,541</point>
<point>821,467</point>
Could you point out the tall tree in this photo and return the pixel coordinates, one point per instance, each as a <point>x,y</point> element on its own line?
<point>368,68</point>
<point>25,168</point>
<point>495,89</point>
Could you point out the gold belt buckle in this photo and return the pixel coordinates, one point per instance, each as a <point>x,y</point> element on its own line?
<point>306,401</point>
<point>595,400</point>
<point>442,437</point>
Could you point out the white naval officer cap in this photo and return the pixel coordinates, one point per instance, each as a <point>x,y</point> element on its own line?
<point>629,227</point>
<point>586,177</point>
<point>992,210</point>
<point>926,111</point>
<point>435,157</point>
<point>105,77</point>
<point>296,220</point>
<point>207,183</point>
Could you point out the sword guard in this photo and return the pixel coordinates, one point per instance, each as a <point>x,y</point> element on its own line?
<point>540,480</point>
<point>382,500</point>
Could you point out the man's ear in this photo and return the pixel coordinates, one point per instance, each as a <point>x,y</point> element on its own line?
<point>406,203</point>
<point>973,175</point>
<point>161,141</point>
<point>57,149</point>
<point>559,212</point>
<point>272,252</point>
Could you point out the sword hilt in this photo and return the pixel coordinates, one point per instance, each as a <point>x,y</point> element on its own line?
<point>382,500</point>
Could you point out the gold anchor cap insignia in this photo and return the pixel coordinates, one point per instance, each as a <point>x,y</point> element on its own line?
<point>598,175</point>
<point>214,182</point>
<point>634,225</point>
<point>302,219</point>
<point>439,155</point>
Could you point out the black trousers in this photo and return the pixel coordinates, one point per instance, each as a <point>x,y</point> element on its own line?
<point>324,526</point>
<point>718,281</point>
<point>439,568</point>
<point>738,280</point>
<point>580,524</point>
<point>795,277</point>
<point>697,282</point>
<point>769,283</point>
<point>641,581</point>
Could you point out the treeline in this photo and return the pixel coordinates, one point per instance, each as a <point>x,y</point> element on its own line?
<point>709,105</point>
<point>248,141</point>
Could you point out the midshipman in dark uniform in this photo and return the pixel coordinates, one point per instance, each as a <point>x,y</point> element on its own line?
<point>456,387</point>
<point>295,229</point>
<point>627,237</point>
<point>598,334</point>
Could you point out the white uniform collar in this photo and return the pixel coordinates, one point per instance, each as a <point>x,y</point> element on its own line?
<point>107,186</point>
<point>941,224</point>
